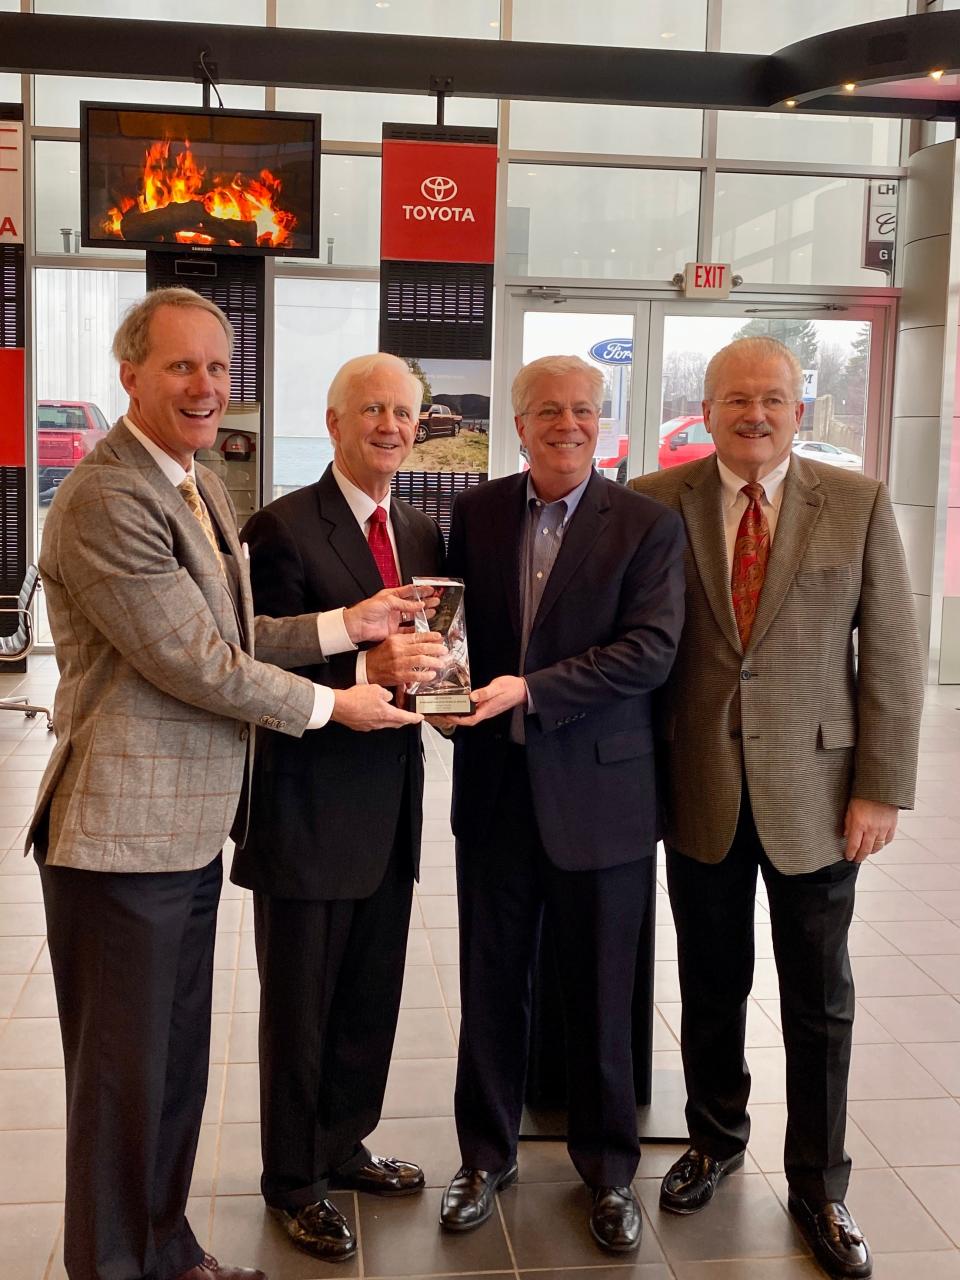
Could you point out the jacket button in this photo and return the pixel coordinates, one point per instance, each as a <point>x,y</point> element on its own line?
<point>402,757</point>
<point>746,675</point>
<point>244,734</point>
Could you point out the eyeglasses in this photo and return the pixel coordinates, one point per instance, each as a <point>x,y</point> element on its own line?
<point>769,404</point>
<point>551,413</point>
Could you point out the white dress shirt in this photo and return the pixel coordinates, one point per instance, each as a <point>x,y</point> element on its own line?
<point>735,501</point>
<point>331,630</point>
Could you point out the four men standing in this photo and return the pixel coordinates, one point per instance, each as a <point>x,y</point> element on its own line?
<point>789,731</point>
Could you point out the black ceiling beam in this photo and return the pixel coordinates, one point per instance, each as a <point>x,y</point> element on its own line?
<point>873,53</point>
<point>287,57</point>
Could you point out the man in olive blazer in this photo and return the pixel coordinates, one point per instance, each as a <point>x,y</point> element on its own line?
<point>164,669</point>
<point>790,750</point>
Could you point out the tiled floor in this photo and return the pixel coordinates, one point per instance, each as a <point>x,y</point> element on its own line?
<point>904,1132</point>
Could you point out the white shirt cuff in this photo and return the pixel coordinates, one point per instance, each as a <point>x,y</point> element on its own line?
<point>332,632</point>
<point>362,668</point>
<point>322,706</point>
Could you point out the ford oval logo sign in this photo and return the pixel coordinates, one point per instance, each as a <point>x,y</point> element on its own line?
<point>613,351</point>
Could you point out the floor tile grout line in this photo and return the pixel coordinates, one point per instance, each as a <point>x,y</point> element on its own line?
<point>506,1236</point>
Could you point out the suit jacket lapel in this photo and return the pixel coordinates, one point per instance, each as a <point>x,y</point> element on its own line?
<point>799,512</point>
<point>403,534</point>
<point>585,528</point>
<point>345,536</point>
<point>507,536</point>
<point>702,507</point>
<point>222,517</point>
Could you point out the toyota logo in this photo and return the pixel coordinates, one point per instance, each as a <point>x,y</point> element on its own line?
<point>439,189</point>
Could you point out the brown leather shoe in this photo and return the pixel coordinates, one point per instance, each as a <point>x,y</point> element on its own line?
<point>321,1230</point>
<point>381,1176</point>
<point>690,1182</point>
<point>833,1235</point>
<point>211,1269</point>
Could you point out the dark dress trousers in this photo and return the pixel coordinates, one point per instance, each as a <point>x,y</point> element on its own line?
<point>331,852</point>
<point>565,823</point>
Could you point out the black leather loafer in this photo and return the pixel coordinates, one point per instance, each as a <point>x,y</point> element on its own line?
<point>833,1235</point>
<point>691,1181</point>
<point>320,1229</point>
<point>381,1176</point>
<point>615,1219</point>
<point>468,1199</point>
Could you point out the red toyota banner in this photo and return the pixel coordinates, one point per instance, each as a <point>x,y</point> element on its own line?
<point>438,201</point>
<point>11,407</point>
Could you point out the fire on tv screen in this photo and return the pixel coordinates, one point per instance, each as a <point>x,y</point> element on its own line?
<point>200,179</point>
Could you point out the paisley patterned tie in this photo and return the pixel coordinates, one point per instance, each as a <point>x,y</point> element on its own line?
<point>191,496</point>
<point>750,553</point>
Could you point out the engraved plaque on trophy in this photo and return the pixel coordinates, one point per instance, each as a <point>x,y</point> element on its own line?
<point>448,693</point>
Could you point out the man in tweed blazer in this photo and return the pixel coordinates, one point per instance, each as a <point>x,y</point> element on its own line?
<point>786,751</point>
<point>148,596</point>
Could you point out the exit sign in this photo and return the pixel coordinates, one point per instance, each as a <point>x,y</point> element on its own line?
<point>707,280</point>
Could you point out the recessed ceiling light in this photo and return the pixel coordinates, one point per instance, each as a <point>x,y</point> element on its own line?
<point>667,35</point>
<point>531,173</point>
<point>935,75</point>
<point>383,4</point>
<point>495,24</point>
<point>790,102</point>
<point>849,87</point>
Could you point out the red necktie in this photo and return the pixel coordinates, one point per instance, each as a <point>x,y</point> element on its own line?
<point>750,553</point>
<point>381,549</point>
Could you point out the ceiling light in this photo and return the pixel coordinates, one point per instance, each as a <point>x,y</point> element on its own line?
<point>935,75</point>
<point>849,87</point>
<point>494,24</point>
<point>667,35</point>
<point>790,102</point>
<point>383,4</point>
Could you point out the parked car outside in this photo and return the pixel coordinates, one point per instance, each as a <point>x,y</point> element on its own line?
<point>437,420</point>
<point>682,440</point>
<point>67,430</point>
<point>833,455</point>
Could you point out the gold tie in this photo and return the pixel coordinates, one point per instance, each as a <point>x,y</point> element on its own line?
<point>191,496</point>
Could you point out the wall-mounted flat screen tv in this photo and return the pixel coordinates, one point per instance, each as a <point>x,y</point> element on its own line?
<point>199,180</point>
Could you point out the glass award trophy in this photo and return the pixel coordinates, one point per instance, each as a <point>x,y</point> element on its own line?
<point>448,692</point>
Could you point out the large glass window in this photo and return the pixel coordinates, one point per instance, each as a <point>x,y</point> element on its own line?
<point>10,90</point>
<point>239,12</point>
<point>78,393</point>
<point>654,24</point>
<point>57,186</point>
<point>473,19</point>
<point>57,98</point>
<point>779,229</point>
<point>594,223</point>
<point>350,210</point>
<point>319,325</point>
<point>359,117</point>
<point>748,135</point>
<point>748,27</point>
<point>573,126</point>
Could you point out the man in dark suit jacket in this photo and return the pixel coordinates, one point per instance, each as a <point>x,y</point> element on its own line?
<point>334,836</point>
<point>574,604</point>
<point>783,753</point>
<point>163,670</point>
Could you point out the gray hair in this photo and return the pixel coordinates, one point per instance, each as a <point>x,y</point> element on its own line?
<point>554,367</point>
<point>362,367</point>
<point>754,349</point>
<point>131,342</point>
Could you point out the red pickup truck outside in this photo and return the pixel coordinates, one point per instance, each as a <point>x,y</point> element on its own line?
<point>67,431</point>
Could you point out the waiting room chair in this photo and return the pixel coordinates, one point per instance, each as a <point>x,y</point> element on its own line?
<point>18,645</point>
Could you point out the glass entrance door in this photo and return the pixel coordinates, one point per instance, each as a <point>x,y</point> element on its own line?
<point>842,379</point>
<point>653,355</point>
